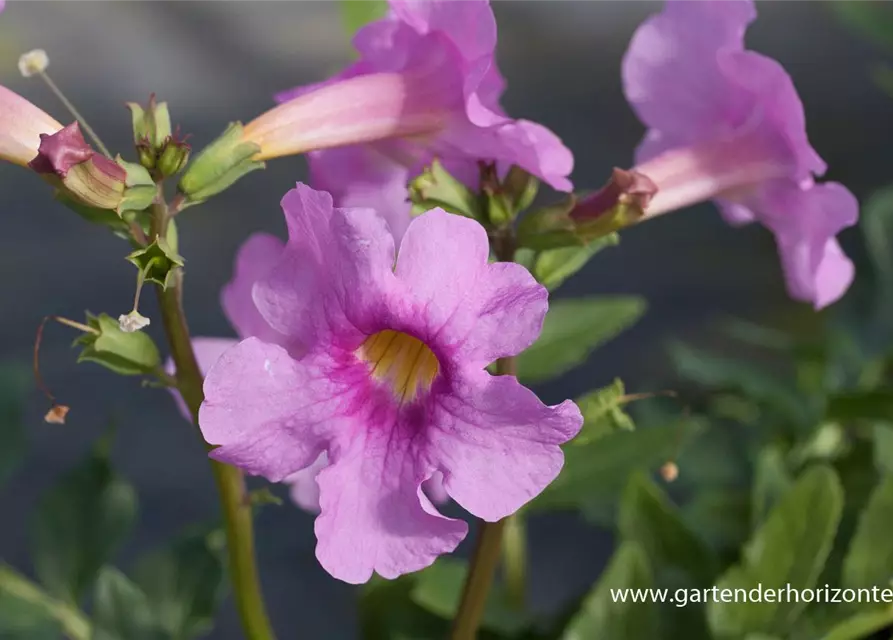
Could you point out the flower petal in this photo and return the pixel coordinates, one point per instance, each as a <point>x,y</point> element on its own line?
<point>303,488</point>
<point>497,443</point>
<point>255,259</point>
<point>333,273</point>
<point>270,414</point>
<point>805,222</point>
<point>486,311</point>
<point>207,352</point>
<point>374,515</point>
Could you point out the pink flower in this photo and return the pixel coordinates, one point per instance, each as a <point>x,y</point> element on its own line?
<point>426,85</point>
<point>727,124</point>
<point>383,369</point>
<point>21,125</point>
<point>255,259</point>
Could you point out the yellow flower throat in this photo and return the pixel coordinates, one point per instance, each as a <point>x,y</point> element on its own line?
<point>402,362</point>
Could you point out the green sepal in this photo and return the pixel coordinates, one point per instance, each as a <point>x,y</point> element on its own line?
<point>603,413</point>
<point>151,124</point>
<point>506,198</point>
<point>435,187</point>
<point>219,165</point>
<point>127,354</point>
<point>553,266</point>
<point>103,217</point>
<point>159,262</point>
<point>140,190</point>
<point>550,227</point>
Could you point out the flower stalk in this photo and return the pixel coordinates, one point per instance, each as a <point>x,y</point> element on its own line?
<point>235,503</point>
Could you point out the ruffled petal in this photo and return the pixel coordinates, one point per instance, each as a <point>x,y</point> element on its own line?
<point>484,311</point>
<point>805,222</point>
<point>497,444</point>
<point>364,176</point>
<point>374,516</point>
<point>255,260</point>
<point>333,275</point>
<point>671,75</point>
<point>207,352</point>
<point>270,414</point>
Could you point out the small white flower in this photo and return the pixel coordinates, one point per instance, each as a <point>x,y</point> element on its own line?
<point>133,321</point>
<point>33,62</point>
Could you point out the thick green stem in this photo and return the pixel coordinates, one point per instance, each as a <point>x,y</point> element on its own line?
<point>74,623</point>
<point>514,561</point>
<point>236,506</point>
<point>483,561</point>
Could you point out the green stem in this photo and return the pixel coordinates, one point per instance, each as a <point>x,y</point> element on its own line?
<point>514,561</point>
<point>483,561</point>
<point>74,623</point>
<point>236,506</point>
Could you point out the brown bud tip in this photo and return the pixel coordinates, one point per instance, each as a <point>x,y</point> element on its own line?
<point>57,414</point>
<point>629,188</point>
<point>669,471</point>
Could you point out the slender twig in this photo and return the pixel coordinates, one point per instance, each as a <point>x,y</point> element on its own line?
<point>236,507</point>
<point>514,561</point>
<point>77,115</point>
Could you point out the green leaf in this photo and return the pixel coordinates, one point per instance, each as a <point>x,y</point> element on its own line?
<point>127,354</point>
<point>649,519</point>
<point>13,381</point>
<point>358,13</point>
<point>602,617</point>
<point>872,20</point>
<point>602,413</point>
<point>876,216</point>
<point>861,625</point>
<point>771,480</point>
<point>121,611</point>
<point>572,330</point>
<point>869,560</point>
<point>28,613</point>
<point>720,516</point>
<point>790,548</point>
<point>861,405</point>
<point>883,446</point>
<point>185,584</point>
<point>79,524</point>
<point>438,589</point>
<point>595,473</point>
<point>387,612</point>
<point>552,267</point>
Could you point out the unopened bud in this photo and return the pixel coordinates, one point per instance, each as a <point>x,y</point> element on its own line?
<point>151,124</point>
<point>33,62</point>
<point>436,187</point>
<point>620,203</point>
<point>173,157</point>
<point>67,160</point>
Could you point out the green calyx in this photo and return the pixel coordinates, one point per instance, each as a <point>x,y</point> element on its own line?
<point>436,188</point>
<point>151,124</point>
<point>158,262</point>
<point>219,165</point>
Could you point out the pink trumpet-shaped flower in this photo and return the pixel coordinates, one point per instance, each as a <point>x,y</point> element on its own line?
<point>382,368</point>
<point>727,124</point>
<point>21,125</point>
<point>426,85</point>
<point>254,260</point>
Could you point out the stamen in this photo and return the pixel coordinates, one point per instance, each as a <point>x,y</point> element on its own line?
<point>36,63</point>
<point>403,362</point>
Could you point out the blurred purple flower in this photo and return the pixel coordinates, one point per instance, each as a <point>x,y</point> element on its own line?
<point>426,85</point>
<point>727,124</point>
<point>383,369</point>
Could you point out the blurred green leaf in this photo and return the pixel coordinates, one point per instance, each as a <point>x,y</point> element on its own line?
<point>603,617</point>
<point>121,611</point>
<point>13,381</point>
<point>720,516</point>
<point>872,20</point>
<point>602,413</point>
<point>876,216</point>
<point>595,473</point>
<point>79,525</point>
<point>861,625</point>
<point>883,446</point>
<point>127,354</point>
<point>574,328</point>
<point>790,548</point>
<point>717,372</point>
<point>27,613</point>
<point>438,589</point>
<point>861,405</point>
<point>553,266</point>
<point>648,518</point>
<point>869,560</point>
<point>771,480</point>
<point>185,583</point>
<point>387,612</point>
<point>358,13</point>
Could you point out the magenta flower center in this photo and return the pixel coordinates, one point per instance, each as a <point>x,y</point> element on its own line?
<point>401,362</point>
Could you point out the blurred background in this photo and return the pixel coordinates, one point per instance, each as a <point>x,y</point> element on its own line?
<point>220,61</point>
